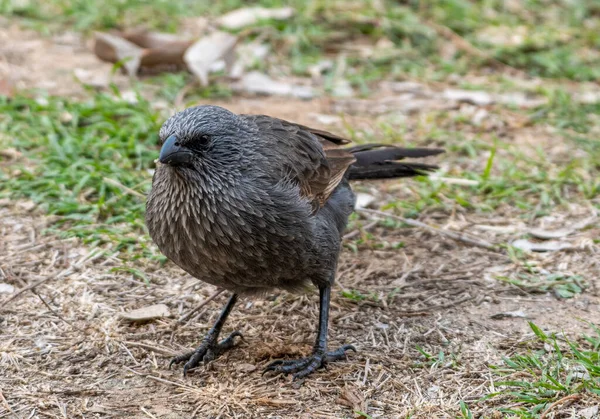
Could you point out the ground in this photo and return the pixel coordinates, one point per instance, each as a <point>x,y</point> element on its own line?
<point>446,325</point>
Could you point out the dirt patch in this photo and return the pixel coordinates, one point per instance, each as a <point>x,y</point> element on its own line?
<point>66,352</point>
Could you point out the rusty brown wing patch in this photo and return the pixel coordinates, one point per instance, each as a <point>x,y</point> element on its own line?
<point>309,156</point>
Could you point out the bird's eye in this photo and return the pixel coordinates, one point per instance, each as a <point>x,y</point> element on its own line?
<point>199,143</point>
<point>203,139</point>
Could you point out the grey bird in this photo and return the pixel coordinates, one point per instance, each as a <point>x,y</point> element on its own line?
<point>250,203</point>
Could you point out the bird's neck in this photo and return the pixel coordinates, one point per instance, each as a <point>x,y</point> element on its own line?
<point>186,207</point>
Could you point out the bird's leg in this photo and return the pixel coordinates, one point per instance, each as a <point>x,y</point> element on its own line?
<point>210,348</point>
<point>319,357</point>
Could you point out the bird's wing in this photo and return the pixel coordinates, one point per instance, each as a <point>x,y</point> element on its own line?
<point>311,157</point>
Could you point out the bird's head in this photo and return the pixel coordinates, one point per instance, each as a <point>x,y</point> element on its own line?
<point>203,137</point>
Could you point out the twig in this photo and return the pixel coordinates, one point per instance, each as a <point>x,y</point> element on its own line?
<point>147,413</point>
<point>5,403</point>
<point>561,401</point>
<point>59,275</point>
<point>92,256</point>
<point>190,313</point>
<point>356,232</point>
<point>178,102</point>
<point>436,307</point>
<point>124,188</point>
<point>164,381</point>
<point>163,351</point>
<point>452,234</point>
<point>55,312</point>
<point>462,44</point>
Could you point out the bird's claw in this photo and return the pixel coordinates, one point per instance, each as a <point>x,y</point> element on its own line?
<point>208,350</point>
<point>305,366</point>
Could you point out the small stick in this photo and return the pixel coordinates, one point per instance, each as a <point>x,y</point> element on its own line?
<point>91,257</point>
<point>124,188</point>
<point>5,403</point>
<point>190,313</point>
<point>452,234</point>
<point>147,413</point>
<point>156,349</point>
<point>55,312</point>
<point>66,272</point>
<point>571,397</point>
<point>356,232</point>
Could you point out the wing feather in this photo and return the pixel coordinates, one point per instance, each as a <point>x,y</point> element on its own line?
<point>311,157</point>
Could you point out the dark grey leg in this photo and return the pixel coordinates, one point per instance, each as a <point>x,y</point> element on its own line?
<point>319,357</point>
<point>210,348</point>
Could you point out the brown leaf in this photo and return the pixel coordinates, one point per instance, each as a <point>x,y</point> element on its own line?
<point>208,51</point>
<point>246,368</point>
<point>240,18</point>
<point>354,399</point>
<point>144,49</point>
<point>6,288</point>
<point>156,311</point>
<point>547,246</point>
<point>258,83</point>
<point>113,48</point>
<point>10,153</point>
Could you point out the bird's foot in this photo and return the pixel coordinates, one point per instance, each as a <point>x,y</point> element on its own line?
<point>304,366</point>
<point>208,350</point>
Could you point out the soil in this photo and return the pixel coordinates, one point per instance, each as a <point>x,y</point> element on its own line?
<point>66,352</point>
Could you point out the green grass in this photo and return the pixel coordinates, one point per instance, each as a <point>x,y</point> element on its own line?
<point>561,285</point>
<point>73,155</point>
<point>559,37</point>
<point>77,153</point>
<point>552,367</point>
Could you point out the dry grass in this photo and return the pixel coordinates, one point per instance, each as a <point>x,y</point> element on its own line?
<point>421,315</point>
<point>66,352</point>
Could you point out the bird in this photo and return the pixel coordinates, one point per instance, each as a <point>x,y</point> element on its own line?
<point>253,203</point>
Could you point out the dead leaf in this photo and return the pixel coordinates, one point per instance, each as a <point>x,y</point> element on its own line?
<point>6,288</point>
<point>246,368</point>
<point>588,413</point>
<point>27,205</point>
<point>540,233</point>
<point>155,40</point>
<point>247,56</point>
<point>520,99</point>
<point>363,200</point>
<point>406,103</point>
<point>91,78</point>
<point>142,48</point>
<point>548,246</point>
<point>275,402</point>
<point>206,52</point>
<point>354,399</point>
<point>588,97</point>
<point>474,97</point>
<point>319,68</point>
<point>326,119</point>
<point>342,88</point>
<point>503,35</point>
<point>156,311</point>
<point>258,83</point>
<point>113,48</point>
<point>10,153</point>
<point>454,181</point>
<point>509,314</point>
<point>246,16</point>
<point>402,87</point>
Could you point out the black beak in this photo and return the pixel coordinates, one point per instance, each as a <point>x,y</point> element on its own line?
<point>174,154</point>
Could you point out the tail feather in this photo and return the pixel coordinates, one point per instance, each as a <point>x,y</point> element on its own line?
<point>377,161</point>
